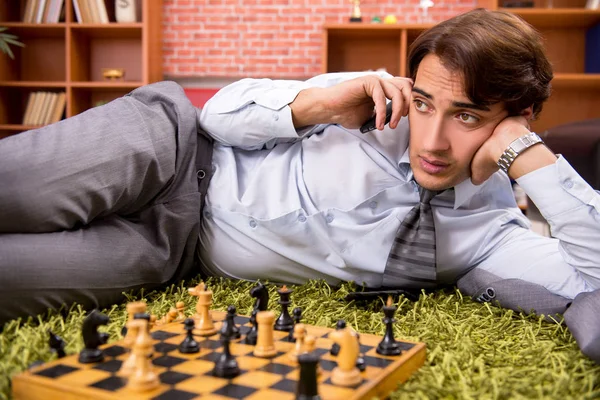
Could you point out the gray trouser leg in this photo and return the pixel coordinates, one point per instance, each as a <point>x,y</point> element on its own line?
<point>99,203</point>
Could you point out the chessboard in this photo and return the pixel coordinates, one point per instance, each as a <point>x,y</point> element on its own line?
<point>190,376</point>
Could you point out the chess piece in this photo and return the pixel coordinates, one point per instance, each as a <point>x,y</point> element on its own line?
<point>92,338</point>
<point>169,317</point>
<point>346,373</point>
<point>57,344</point>
<point>284,322</point>
<point>143,376</point>
<point>388,345</point>
<point>299,335</point>
<point>180,307</point>
<point>132,309</point>
<point>204,323</point>
<point>297,313</point>
<point>261,294</point>
<point>307,388</point>
<point>229,323</point>
<point>356,14</point>
<point>189,344</point>
<point>361,364</point>
<point>151,322</point>
<point>226,365</point>
<point>335,348</point>
<point>265,347</point>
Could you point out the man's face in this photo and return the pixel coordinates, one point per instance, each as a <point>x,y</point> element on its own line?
<point>446,128</point>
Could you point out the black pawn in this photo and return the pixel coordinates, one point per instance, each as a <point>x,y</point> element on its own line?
<point>307,388</point>
<point>335,348</point>
<point>92,338</point>
<point>57,344</point>
<point>226,365</point>
<point>284,322</point>
<point>229,324</point>
<point>360,360</point>
<point>297,313</point>
<point>189,344</point>
<point>388,345</point>
<point>252,334</point>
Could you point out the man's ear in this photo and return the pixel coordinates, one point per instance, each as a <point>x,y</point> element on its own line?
<point>527,113</point>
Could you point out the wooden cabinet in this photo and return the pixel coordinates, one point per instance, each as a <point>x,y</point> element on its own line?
<point>576,94</point>
<point>69,56</point>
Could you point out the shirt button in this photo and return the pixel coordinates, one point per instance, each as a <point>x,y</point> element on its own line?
<point>276,117</point>
<point>252,223</point>
<point>373,205</point>
<point>568,183</point>
<point>329,218</point>
<point>302,218</point>
<point>207,214</point>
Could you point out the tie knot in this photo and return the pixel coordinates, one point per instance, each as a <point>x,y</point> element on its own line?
<point>425,195</point>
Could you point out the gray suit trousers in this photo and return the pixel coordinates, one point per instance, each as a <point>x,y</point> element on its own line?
<point>99,204</point>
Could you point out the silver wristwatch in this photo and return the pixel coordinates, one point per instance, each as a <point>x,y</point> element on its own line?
<point>517,147</point>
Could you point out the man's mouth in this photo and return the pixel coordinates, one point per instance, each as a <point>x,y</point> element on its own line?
<point>432,165</point>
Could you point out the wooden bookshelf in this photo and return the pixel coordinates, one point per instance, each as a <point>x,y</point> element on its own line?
<point>69,56</point>
<point>576,94</point>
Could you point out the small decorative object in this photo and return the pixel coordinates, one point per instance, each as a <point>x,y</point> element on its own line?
<point>356,15</point>
<point>376,20</point>
<point>113,73</point>
<point>425,5</point>
<point>125,10</point>
<point>390,19</point>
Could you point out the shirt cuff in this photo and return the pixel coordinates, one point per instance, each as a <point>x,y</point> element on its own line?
<point>558,188</point>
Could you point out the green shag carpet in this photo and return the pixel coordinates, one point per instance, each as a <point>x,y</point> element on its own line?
<point>474,351</point>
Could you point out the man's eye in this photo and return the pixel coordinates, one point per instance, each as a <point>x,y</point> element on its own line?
<point>468,118</point>
<point>420,106</point>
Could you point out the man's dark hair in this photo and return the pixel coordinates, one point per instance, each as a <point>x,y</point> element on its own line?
<point>499,56</point>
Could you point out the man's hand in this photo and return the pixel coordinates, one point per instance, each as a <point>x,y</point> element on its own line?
<point>351,103</point>
<point>484,164</point>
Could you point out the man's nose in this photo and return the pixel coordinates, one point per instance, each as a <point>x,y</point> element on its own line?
<point>436,138</point>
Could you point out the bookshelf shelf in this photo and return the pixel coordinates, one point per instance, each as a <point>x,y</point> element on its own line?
<point>69,57</point>
<point>558,17</point>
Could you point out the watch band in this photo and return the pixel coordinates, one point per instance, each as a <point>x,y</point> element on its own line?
<point>517,147</point>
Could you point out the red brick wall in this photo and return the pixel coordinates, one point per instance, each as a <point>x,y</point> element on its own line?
<point>266,38</point>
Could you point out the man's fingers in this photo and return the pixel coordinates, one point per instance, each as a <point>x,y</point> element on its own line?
<point>399,91</point>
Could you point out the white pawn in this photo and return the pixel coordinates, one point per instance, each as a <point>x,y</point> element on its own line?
<point>299,335</point>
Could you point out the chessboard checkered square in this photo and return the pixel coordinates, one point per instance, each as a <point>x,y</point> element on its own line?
<point>173,377</point>
<point>114,351</point>
<point>56,371</point>
<point>202,384</point>
<point>84,377</point>
<point>163,347</point>
<point>286,385</point>
<point>109,366</point>
<point>277,368</point>
<point>235,391</point>
<point>249,362</point>
<point>168,361</point>
<point>327,391</point>
<point>377,361</point>
<point>194,367</point>
<point>271,394</point>
<point>174,394</point>
<point>112,383</point>
<point>163,335</point>
<point>257,379</point>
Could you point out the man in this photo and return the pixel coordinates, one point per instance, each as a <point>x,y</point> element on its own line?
<point>298,192</point>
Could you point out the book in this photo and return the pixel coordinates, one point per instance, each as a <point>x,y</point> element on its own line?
<point>28,108</point>
<point>77,11</point>
<point>101,5</point>
<point>59,108</point>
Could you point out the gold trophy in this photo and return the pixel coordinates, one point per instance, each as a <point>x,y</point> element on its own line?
<point>355,16</point>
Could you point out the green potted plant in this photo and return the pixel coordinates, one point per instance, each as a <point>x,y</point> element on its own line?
<point>6,39</point>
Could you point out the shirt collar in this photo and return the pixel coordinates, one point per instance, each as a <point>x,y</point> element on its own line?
<point>463,192</point>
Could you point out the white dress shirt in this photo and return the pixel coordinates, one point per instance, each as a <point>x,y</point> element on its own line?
<point>326,202</point>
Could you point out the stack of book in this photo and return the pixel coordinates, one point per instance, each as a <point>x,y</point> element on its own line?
<point>44,108</point>
<point>44,11</point>
<point>90,11</point>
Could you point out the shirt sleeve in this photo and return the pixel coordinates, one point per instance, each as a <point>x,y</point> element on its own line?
<point>254,113</point>
<point>572,208</point>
